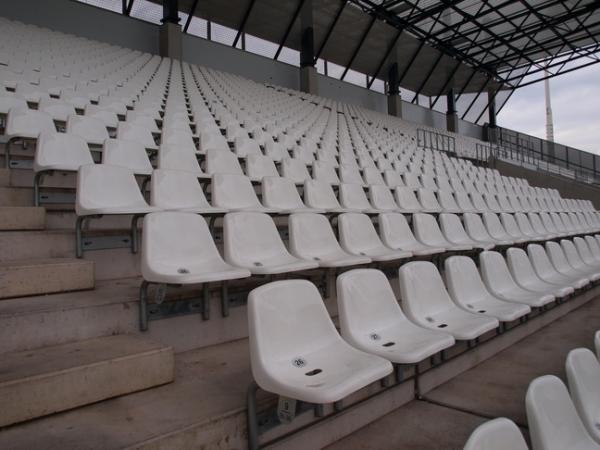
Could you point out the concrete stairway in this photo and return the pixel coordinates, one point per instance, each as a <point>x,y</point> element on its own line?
<point>48,366</point>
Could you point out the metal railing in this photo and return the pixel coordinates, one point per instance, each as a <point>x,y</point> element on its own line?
<point>430,140</point>
<point>539,154</point>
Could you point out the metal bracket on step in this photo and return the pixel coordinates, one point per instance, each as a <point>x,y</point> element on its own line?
<point>105,242</point>
<point>26,164</point>
<point>231,300</point>
<point>161,309</point>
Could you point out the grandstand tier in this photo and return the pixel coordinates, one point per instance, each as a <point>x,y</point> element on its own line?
<point>190,259</point>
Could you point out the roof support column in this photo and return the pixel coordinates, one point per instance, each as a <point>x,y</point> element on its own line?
<point>308,71</point>
<point>170,43</point>
<point>451,115</point>
<point>492,135</point>
<point>394,99</point>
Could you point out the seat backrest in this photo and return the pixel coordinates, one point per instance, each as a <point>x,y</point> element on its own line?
<point>320,195</point>
<point>28,123</point>
<point>382,198</point>
<point>463,281</point>
<point>428,231</point>
<point>422,290</point>
<point>366,302</point>
<point>593,245</point>
<point>92,130</point>
<point>350,174</point>
<point>357,232</point>
<point>176,189</point>
<point>428,200</point>
<point>251,239</point>
<point>494,272</point>
<point>572,254</point>
<point>494,226</point>
<point>324,171</point>
<point>61,151</point>
<point>245,146</point>
<point>584,250</point>
<point>372,175</point>
<point>295,170</point>
<point>173,157</point>
<point>311,235</point>
<point>395,232</point>
<point>520,265</point>
<point>172,240</point>
<point>553,420</point>
<point>407,200</point>
<point>280,193</point>
<point>127,154</point>
<point>133,132</point>
<point>233,191</point>
<point>219,161</point>
<point>447,201</point>
<point>352,196</point>
<point>452,228</point>
<point>259,166</point>
<point>286,320</point>
<point>583,377</point>
<point>106,186</point>
<point>496,434</point>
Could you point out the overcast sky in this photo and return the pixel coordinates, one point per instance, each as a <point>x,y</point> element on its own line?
<point>575,106</point>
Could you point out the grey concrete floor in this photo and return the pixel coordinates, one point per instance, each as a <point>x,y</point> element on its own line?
<point>446,416</point>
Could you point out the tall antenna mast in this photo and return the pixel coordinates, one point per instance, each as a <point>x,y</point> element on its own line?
<point>549,121</point>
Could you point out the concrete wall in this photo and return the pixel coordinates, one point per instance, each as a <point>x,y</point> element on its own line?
<point>350,93</point>
<point>567,187</point>
<point>226,58</point>
<point>84,20</point>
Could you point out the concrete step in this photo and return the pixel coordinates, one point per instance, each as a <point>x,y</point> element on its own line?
<point>52,379</point>
<point>22,218</point>
<point>205,406</point>
<point>24,178</point>
<point>11,196</point>
<point>4,177</point>
<point>109,263</point>
<point>44,276</point>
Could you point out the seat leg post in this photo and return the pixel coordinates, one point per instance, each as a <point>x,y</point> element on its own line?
<point>252,418</point>
<point>144,305</point>
<point>418,395</point>
<point>135,233</point>
<point>224,299</point>
<point>37,180</point>
<point>399,373</point>
<point>205,302</point>
<point>78,238</point>
<point>338,406</point>
<point>319,410</point>
<point>7,154</point>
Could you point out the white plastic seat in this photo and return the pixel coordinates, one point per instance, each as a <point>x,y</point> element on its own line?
<point>594,247</point>
<point>179,191</point>
<point>245,146</point>
<point>108,118</point>
<point>295,170</point>
<point>350,174</point>
<point>260,166</point>
<point>319,195</point>
<point>106,189</point>
<point>9,100</point>
<point>312,238</point>
<point>585,253</point>
<point>454,232</point>
<point>372,321</point>
<point>353,198</point>
<point>553,420</point>
<point>466,288</point>
<point>372,175</point>
<point>174,157</point>
<point>127,154</point>
<point>574,259</point>
<point>359,237</point>
<point>407,200</point>
<point>428,304</point>
<point>428,201</point>
<point>92,130</point>
<point>281,194</point>
<point>561,263</point>
<point>27,123</point>
<point>512,228</point>
<point>59,110</point>
<point>547,272</point>
<point>137,133</point>
<point>477,230</point>
<point>220,161</point>
<point>524,274</point>
<point>499,281</point>
<point>496,434</point>
<point>60,151</point>
<point>235,193</point>
<point>324,171</point>
<point>583,377</point>
<point>395,233</point>
<point>382,198</point>
<point>464,202</point>
<point>177,248</point>
<point>428,232</point>
<point>527,229</point>
<point>497,231</point>
<point>538,226</point>
<point>447,202</point>
<point>312,364</point>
